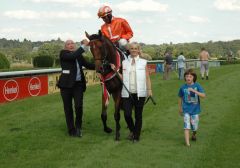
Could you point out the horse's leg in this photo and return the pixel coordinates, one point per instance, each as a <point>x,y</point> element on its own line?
<point>117,99</point>
<point>104,118</point>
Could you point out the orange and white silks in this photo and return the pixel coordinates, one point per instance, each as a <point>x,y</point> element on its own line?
<point>117,29</point>
<point>109,76</point>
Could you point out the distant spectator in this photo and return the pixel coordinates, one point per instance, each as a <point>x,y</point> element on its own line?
<point>230,55</point>
<point>181,65</point>
<point>204,57</point>
<point>168,60</point>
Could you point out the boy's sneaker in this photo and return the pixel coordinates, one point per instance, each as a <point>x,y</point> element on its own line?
<point>194,138</point>
<point>206,77</point>
<point>202,78</point>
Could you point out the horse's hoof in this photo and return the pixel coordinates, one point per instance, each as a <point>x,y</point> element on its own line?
<point>130,136</point>
<point>107,130</point>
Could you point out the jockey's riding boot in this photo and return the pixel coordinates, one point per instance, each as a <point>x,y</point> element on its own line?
<point>194,138</point>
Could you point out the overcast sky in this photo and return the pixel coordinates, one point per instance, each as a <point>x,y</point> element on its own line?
<point>152,21</point>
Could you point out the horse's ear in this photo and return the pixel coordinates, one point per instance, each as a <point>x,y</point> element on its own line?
<point>100,33</point>
<point>87,35</point>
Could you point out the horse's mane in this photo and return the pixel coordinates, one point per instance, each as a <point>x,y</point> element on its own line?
<point>109,42</point>
<point>111,48</point>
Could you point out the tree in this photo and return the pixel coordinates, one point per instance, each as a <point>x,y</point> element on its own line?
<point>4,63</point>
<point>151,51</point>
<point>49,49</point>
<point>238,54</point>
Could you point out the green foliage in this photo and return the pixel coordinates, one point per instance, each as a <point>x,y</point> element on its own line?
<point>43,61</point>
<point>17,51</point>
<point>192,50</point>
<point>31,56</point>
<point>57,62</point>
<point>150,50</point>
<point>230,62</point>
<point>238,53</point>
<point>222,58</point>
<point>169,49</point>
<point>193,54</point>
<point>50,49</point>
<point>4,63</point>
<point>88,57</point>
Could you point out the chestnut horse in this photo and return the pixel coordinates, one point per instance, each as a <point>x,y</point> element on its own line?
<point>105,53</point>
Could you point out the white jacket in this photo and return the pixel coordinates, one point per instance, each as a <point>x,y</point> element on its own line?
<point>140,76</point>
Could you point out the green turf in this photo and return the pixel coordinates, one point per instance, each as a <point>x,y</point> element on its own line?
<point>33,131</point>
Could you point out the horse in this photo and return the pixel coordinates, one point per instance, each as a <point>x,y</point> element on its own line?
<point>105,53</point>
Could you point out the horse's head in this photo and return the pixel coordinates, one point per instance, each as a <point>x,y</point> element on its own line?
<point>99,46</point>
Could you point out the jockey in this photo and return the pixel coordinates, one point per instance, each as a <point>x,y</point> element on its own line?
<point>116,29</point>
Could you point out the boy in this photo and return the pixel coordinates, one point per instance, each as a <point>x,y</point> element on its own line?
<point>189,104</point>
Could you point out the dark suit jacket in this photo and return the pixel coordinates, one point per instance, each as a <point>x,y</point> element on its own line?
<point>69,68</point>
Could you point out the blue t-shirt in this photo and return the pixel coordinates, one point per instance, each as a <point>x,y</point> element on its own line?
<point>190,100</point>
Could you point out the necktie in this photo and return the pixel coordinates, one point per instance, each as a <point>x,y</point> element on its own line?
<point>133,61</point>
<point>78,75</point>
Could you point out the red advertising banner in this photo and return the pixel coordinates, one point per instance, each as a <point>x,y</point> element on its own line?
<point>151,68</point>
<point>21,87</point>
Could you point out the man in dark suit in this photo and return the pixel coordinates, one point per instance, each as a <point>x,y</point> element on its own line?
<point>72,84</point>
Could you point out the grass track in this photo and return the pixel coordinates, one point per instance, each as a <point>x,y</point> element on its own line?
<point>33,131</point>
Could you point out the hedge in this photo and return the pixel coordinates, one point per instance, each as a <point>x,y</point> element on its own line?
<point>230,62</point>
<point>43,61</point>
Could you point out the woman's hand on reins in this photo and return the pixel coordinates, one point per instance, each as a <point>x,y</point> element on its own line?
<point>113,67</point>
<point>149,92</point>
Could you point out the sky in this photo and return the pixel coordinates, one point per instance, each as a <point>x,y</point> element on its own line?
<point>152,21</point>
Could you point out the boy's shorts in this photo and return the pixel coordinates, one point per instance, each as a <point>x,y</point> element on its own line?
<point>191,121</point>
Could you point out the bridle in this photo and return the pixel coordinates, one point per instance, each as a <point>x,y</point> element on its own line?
<point>103,52</point>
